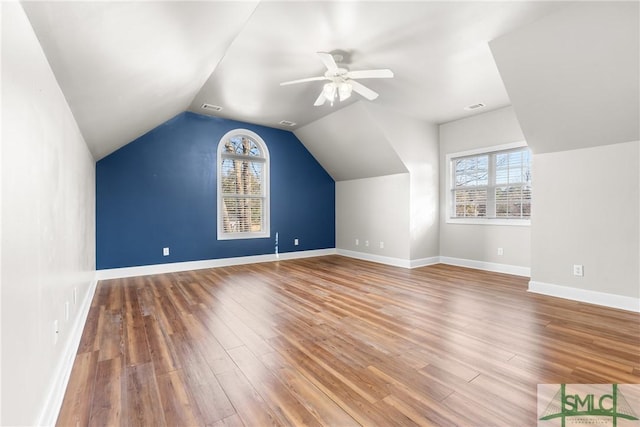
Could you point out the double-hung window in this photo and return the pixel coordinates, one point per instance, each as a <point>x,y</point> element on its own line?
<point>243,186</point>
<point>491,186</point>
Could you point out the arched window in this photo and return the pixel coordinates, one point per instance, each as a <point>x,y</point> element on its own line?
<point>243,186</point>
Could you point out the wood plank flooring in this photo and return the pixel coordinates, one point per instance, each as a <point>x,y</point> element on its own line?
<point>333,341</point>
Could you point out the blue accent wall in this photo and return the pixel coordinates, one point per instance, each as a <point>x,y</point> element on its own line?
<point>160,191</point>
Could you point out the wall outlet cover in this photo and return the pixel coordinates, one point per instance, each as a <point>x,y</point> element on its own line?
<point>578,270</point>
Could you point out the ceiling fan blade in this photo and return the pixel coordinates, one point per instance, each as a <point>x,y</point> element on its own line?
<point>308,79</point>
<point>370,74</point>
<point>363,90</point>
<point>328,61</point>
<point>321,99</point>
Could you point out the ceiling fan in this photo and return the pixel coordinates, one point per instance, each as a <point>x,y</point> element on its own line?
<point>342,81</point>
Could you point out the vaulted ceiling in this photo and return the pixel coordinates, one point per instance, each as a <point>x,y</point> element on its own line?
<point>126,67</point>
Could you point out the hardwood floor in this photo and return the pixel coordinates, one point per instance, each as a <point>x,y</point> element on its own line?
<point>336,341</point>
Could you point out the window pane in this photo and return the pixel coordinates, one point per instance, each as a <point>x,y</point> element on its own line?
<point>513,167</point>
<point>472,171</point>
<point>470,202</point>
<point>254,181</point>
<point>513,202</point>
<point>242,177</point>
<point>242,214</point>
<point>256,214</point>
<point>242,145</point>
<point>228,176</point>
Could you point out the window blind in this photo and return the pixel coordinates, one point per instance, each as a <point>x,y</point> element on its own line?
<point>492,185</point>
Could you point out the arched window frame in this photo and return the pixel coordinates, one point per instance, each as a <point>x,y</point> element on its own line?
<point>265,185</point>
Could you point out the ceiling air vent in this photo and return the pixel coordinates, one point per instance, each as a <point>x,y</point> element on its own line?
<point>211,107</point>
<point>287,123</point>
<point>474,106</point>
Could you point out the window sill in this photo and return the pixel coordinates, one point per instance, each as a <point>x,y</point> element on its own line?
<point>490,221</point>
<point>238,236</point>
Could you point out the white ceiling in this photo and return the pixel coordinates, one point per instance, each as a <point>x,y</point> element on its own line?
<point>126,67</point>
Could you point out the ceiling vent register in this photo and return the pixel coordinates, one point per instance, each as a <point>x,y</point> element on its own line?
<point>211,107</point>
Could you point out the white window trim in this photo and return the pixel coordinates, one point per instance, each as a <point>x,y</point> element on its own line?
<point>266,222</point>
<point>449,180</point>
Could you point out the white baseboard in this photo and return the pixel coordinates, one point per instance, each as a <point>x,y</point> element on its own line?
<point>396,262</point>
<point>487,266</point>
<point>588,296</point>
<point>62,373</point>
<point>145,270</point>
<point>423,262</point>
<point>415,263</point>
<point>117,273</point>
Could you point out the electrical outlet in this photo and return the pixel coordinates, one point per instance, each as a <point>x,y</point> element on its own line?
<point>357,242</point>
<point>500,251</point>
<point>295,242</point>
<point>578,270</point>
<point>366,243</point>
<point>165,251</point>
<point>381,245</point>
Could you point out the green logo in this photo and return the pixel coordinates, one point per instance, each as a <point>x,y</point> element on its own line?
<point>587,404</point>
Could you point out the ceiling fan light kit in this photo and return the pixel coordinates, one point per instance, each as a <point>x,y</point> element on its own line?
<point>342,82</point>
<point>342,89</point>
<point>329,92</point>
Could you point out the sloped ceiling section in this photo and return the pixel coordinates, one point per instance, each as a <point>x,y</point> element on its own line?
<point>125,67</point>
<point>349,145</point>
<point>572,76</point>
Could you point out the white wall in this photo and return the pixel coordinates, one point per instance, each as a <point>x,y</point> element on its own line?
<point>480,243</point>
<point>587,211</point>
<point>48,222</point>
<point>377,210</point>
<point>416,143</point>
<point>402,208</point>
